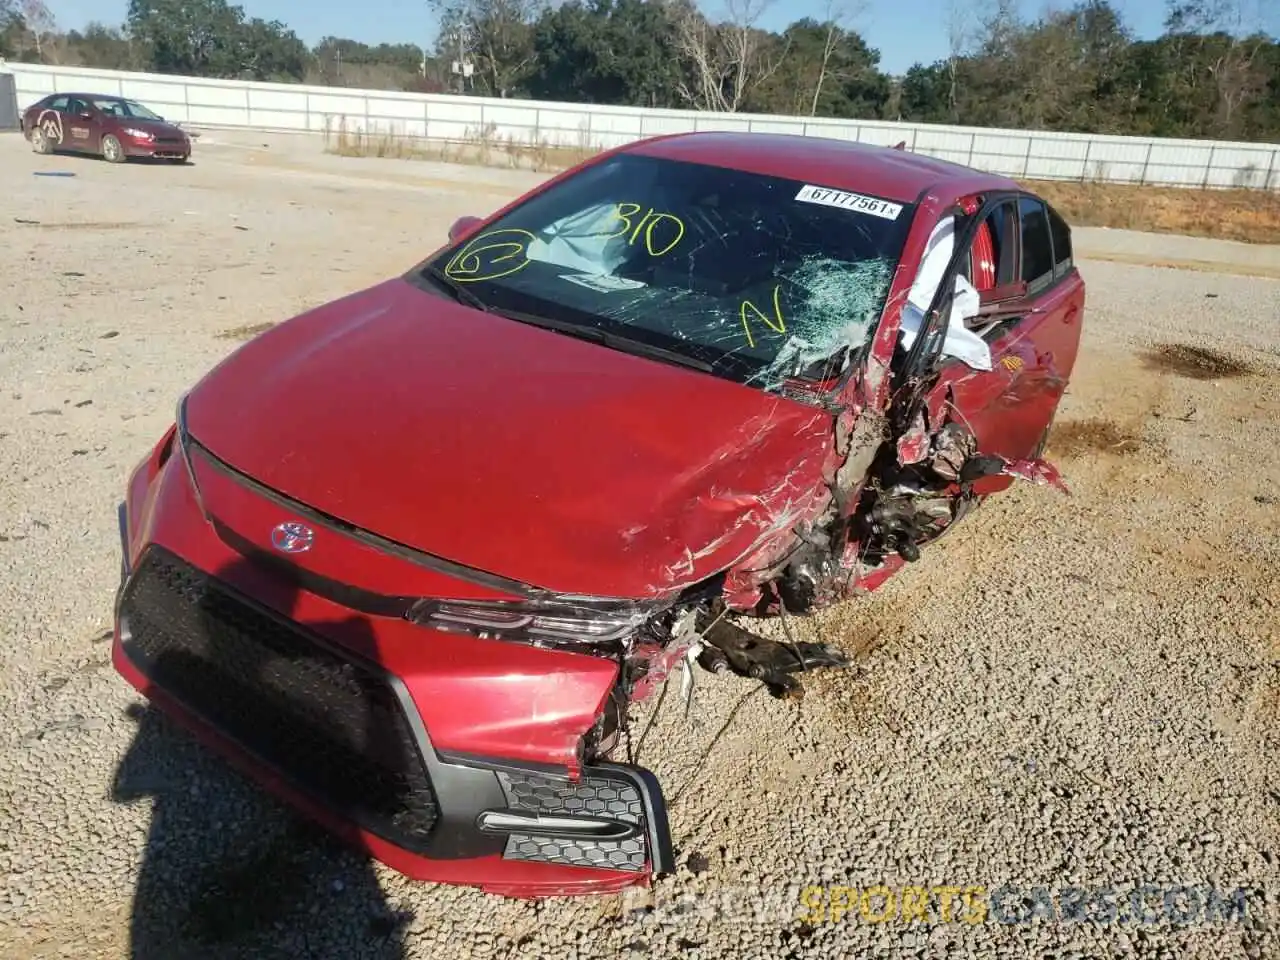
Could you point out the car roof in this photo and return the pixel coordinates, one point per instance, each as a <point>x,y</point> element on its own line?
<point>85,96</point>
<point>841,164</point>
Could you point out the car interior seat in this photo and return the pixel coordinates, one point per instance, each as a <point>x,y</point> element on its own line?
<point>982,258</point>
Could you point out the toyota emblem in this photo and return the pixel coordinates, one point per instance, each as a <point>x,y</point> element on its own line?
<point>292,537</point>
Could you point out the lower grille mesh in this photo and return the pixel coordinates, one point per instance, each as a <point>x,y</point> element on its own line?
<point>330,726</point>
<point>589,797</point>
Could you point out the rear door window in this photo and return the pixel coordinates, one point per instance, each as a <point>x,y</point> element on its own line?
<point>1037,245</point>
<point>1062,259</point>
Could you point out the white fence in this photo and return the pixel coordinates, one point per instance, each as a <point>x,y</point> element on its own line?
<point>200,102</point>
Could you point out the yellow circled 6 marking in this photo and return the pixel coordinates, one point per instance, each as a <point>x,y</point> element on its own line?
<point>483,257</point>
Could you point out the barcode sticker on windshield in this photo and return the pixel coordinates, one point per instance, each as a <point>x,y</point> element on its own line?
<point>850,201</point>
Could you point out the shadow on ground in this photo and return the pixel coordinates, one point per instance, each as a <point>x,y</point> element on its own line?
<point>227,872</point>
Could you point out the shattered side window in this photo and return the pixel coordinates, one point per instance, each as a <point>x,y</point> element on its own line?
<point>761,278</point>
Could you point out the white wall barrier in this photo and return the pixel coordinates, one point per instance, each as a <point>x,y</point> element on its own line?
<point>200,102</point>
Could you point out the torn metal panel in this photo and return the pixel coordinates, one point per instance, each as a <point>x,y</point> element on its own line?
<point>896,467</point>
<point>1036,471</point>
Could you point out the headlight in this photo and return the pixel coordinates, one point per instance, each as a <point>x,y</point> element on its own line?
<point>554,621</point>
<point>140,134</point>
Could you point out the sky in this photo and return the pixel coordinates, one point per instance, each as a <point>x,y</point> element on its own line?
<point>904,31</point>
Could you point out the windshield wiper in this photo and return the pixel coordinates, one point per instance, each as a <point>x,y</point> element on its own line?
<point>458,290</point>
<point>617,342</point>
<point>460,293</point>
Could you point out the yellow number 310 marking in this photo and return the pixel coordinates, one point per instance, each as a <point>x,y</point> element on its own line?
<point>774,323</point>
<point>624,213</point>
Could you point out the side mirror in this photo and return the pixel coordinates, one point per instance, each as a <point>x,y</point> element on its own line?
<point>461,227</point>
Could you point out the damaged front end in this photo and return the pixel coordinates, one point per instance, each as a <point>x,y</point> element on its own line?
<point>362,679</point>
<point>902,468</point>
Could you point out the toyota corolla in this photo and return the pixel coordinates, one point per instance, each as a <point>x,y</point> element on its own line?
<point>409,558</point>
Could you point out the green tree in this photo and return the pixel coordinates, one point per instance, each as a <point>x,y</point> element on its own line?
<point>606,51</point>
<point>925,94</point>
<point>101,46</point>
<point>268,50</point>
<point>196,38</point>
<point>824,70</point>
<point>11,29</point>
<point>210,38</point>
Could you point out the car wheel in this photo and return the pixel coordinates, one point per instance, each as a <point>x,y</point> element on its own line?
<point>49,133</point>
<point>112,152</point>
<point>41,142</point>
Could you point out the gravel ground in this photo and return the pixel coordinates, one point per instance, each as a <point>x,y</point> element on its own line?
<point>1068,692</point>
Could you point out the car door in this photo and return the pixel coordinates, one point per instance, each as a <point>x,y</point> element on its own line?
<point>50,116</point>
<point>79,126</point>
<point>1037,335</point>
<point>1023,308</point>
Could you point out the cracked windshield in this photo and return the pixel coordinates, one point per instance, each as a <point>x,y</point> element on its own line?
<point>754,278</point>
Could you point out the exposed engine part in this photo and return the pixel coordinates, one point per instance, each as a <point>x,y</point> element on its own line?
<point>811,579</point>
<point>905,507</point>
<point>729,647</point>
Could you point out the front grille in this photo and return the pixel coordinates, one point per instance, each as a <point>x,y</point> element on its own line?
<point>329,725</point>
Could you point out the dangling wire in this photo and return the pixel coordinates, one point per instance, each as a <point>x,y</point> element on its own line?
<point>714,740</point>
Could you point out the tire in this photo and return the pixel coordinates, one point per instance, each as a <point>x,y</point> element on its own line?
<point>112,152</point>
<point>40,141</point>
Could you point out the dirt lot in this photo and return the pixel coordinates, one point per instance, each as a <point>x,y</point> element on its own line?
<point>1069,692</point>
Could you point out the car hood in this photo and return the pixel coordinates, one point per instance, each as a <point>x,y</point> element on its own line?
<point>523,452</point>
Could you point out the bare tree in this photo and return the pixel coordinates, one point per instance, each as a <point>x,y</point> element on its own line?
<point>496,36</point>
<point>726,60</point>
<point>39,21</point>
<point>962,28</point>
<point>1231,65</point>
<point>838,17</point>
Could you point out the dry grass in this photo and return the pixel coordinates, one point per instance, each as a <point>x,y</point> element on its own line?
<point>480,148</point>
<point>1249,215</point>
<point>1252,216</point>
<point>247,332</point>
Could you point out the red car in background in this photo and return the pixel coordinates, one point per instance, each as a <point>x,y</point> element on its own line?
<point>410,557</point>
<point>114,128</point>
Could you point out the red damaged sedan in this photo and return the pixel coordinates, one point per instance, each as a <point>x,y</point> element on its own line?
<point>113,128</point>
<point>409,558</point>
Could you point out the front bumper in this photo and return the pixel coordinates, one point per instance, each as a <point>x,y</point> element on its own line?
<point>341,736</point>
<point>156,149</point>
